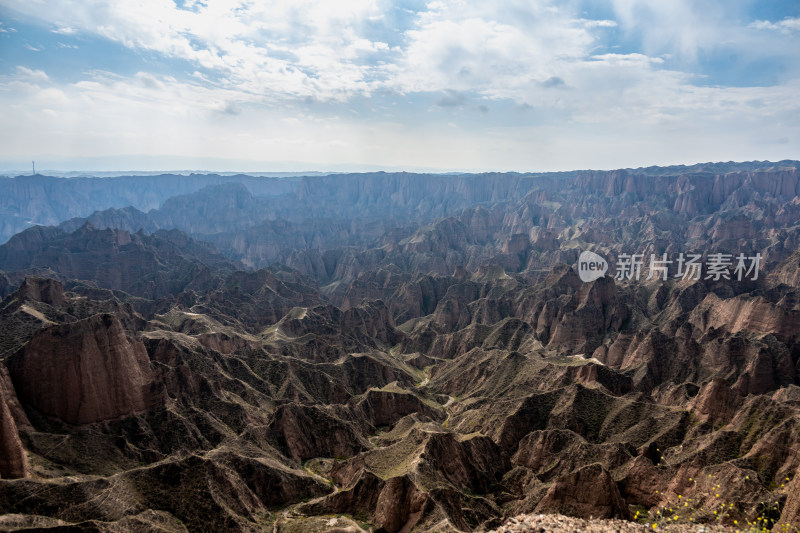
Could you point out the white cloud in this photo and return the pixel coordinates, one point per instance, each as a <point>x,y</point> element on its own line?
<point>542,57</point>
<point>238,39</point>
<point>658,120</point>
<point>494,51</point>
<point>695,35</point>
<point>785,26</point>
<point>66,30</point>
<point>33,75</point>
<point>323,81</point>
<point>599,23</point>
<point>680,28</point>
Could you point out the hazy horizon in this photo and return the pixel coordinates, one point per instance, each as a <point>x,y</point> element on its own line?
<point>101,170</point>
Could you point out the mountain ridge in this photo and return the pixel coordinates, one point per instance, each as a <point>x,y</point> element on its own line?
<point>443,369</point>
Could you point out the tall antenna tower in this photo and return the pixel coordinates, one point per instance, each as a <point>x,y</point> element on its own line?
<point>33,164</point>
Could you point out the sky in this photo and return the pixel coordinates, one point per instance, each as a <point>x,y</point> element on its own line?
<point>445,85</point>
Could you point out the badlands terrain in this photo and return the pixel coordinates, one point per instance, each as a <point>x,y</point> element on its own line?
<point>399,352</point>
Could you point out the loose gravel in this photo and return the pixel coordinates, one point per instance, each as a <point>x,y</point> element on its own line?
<point>545,523</point>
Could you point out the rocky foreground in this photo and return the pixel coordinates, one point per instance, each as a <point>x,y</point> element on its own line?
<point>542,523</point>
<point>404,374</point>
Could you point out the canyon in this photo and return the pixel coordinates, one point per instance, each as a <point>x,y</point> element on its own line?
<point>397,352</point>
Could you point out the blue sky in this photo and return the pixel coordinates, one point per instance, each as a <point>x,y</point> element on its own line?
<point>442,85</point>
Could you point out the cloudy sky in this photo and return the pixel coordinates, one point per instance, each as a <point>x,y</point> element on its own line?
<point>448,85</point>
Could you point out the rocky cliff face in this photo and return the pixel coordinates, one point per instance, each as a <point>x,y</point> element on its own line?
<point>788,272</point>
<point>85,372</point>
<point>589,491</point>
<point>151,266</point>
<point>48,291</point>
<point>331,435</point>
<point>30,200</point>
<point>790,516</point>
<point>13,458</point>
<point>259,221</point>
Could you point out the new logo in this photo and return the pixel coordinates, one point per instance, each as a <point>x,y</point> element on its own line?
<point>591,266</point>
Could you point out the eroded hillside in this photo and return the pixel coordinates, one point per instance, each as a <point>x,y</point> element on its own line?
<point>433,373</point>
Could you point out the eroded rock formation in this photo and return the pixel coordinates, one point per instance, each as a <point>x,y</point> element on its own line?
<point>85,372</point>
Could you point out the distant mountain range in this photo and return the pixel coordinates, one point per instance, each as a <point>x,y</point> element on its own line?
<point>399,352</point>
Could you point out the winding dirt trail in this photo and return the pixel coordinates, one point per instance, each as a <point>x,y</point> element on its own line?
<point>286,513</point>
<point>446,406</point>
